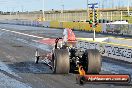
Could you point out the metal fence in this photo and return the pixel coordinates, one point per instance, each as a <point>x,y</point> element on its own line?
<point>73,16</point>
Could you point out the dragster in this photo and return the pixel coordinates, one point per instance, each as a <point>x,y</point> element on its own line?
<point>65,58</point>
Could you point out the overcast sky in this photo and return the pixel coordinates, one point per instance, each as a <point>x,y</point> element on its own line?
<point>34,5</point>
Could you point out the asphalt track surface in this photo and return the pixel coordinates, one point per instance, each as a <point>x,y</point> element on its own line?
<point>17,67</point>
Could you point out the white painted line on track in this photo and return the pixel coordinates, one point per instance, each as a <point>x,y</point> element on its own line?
<point>20,33</point>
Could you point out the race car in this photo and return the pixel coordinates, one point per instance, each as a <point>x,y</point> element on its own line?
<point>66,58</point>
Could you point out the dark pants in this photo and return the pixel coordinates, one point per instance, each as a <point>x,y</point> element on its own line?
<point>37,59</point>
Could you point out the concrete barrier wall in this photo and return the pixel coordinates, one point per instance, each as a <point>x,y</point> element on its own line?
<point>115,51</point>
<point>125,29</point>
<point>68,25</point>
<point>3,21</point>
<point>86,27</point>
<point>55,24</point>
<point>46,24</point>
<point>82,26</point>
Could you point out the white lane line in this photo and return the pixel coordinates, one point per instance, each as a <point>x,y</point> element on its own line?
<point>20,33</point>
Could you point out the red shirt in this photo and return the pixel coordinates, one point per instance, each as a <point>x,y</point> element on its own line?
<point>71,35</point>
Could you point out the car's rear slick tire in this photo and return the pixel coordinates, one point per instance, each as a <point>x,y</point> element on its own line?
<point>94,61</point>
<point>61,61</point>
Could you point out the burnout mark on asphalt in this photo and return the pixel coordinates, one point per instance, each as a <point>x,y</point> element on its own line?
<point>17,46</point>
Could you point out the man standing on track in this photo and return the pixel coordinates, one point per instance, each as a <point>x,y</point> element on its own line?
<point>37,55</point>
<point>68,35</point>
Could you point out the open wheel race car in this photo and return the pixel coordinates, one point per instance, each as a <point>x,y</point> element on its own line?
<point>66,58</point>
